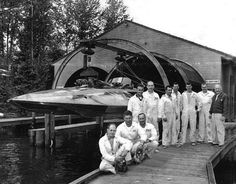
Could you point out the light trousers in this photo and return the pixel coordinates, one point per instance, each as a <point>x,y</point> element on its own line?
<point>168,129</point>
<point>188,116</point>
<point>175,129</point>
<point>205,126</point>
<point>107,165</point>
<point>152,118</point>
<point>150,147</point>
<point>218,129</point>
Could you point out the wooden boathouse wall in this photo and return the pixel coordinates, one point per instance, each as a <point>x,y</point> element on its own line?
<point>213,65</point>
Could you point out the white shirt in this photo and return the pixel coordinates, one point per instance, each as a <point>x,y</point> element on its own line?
<point>108,152</point>
<point>135,105</point>
<point>189,101</point>
<point>151,103</point>
<point>205,99</point>
<point>150,131</point>
<point>176,98</point>
<point>132,133</point>
<point>167,106</point>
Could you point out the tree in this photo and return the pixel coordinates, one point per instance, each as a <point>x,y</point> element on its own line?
<point>76,20</point>
<point>10,15</point>
<point>114,13</point>
<point>31,66</point>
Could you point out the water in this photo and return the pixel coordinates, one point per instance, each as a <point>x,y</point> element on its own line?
<point>225,171</point>
<point>20,163</point>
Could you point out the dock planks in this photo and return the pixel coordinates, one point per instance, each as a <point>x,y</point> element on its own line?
<point>185,165</point>
<point>172,165</point>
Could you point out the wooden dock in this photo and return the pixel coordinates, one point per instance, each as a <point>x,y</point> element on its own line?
<point>187,164</point>
<point>172,165</point>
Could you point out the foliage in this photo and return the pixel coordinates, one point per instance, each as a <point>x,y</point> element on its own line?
<point>35,33</point>
<point>114,13</point>
<point>76,20</point>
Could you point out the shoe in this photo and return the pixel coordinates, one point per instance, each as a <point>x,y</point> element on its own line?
<point>179,145</point>
<point>193,144</point>
<point>147,156</point>
<point>130,162</point>
<point>221,145</point>
<point>156,151</point>
<point>113,170</point>
<point>164,147</point>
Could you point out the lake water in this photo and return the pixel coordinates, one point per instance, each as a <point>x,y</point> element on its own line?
<point>20,163</point>
<point>225,171</point>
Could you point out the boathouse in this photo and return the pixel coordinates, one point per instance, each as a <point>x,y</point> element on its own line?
<point>166,57</point>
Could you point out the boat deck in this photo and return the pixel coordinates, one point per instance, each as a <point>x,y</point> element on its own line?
<point>172,165</point>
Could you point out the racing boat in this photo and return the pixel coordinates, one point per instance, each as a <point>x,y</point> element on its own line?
<point>86,101</point>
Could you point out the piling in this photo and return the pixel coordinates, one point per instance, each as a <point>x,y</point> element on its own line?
<point>49,129</point>
<point>100,121</point>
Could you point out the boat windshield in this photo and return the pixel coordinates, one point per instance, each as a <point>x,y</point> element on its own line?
<point>121,82</point>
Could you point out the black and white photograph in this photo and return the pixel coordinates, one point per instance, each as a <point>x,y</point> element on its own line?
<point>117,92</point>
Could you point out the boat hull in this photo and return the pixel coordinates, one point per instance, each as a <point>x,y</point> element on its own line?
<point>87,102</point>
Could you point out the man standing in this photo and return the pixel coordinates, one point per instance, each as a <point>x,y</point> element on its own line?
<point>218,112</point>
<point>113,149</point>
<point>176,97</point>
<point>130,130</point>
<point>167,113</point>
<point>135,104</point>
<point>205,99</point>
<point>150,106</point>
<point>189,104</point>
<point>151,142</point>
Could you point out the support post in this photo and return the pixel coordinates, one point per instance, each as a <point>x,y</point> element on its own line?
<point>52,131</point>
<point>33,120</point>
<point>69,119</point>
<point>49,130</point>
<point>100,121</point>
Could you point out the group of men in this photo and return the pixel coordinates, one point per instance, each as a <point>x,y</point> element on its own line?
<point>140,131</point>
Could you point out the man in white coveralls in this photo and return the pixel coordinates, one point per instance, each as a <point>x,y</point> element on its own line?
<point>168,114</point>
<point>151,142</point>
<point>135,103</point>
<point>130,130</point>
<point>189,105</point>
<point>205,125</point>
<point>176,97</point>
<point>113,149</point>
<point>150,106</point>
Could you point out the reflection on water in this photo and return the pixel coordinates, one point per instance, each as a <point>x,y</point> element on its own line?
<point>225,171</point>
<point>22,164</point>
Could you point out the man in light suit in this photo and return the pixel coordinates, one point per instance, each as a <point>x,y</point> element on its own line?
<point>113,149</point>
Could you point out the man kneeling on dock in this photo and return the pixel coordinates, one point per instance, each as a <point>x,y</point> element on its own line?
<point>151,143</point>
<point>130,130</point>
<point>114,150</point>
